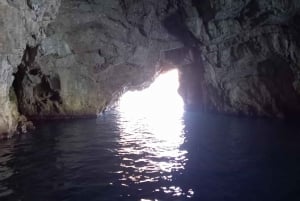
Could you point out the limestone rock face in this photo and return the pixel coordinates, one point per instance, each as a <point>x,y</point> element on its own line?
<point>21,23</point>
<point>92,52</point>
<point>75,57</point>
<point>250,56</point>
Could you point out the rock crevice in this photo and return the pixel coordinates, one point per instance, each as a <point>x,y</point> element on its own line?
<point>22,23</point>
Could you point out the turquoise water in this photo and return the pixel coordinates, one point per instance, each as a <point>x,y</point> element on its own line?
<point>189,157</point>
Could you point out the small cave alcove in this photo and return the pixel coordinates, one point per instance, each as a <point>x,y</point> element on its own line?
<point>36,93</point>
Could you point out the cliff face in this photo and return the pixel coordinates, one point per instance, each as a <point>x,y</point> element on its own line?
<point>92,52</point>
<point>250,51</point>
<point>21,23</point>
<point>75,57</point>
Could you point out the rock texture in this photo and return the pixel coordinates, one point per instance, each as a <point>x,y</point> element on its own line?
<point>250,56</point>
<point>75,57</point>
<point>92,53</point>
<point>21,23</point>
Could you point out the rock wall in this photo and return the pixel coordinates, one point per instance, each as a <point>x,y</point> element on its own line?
<point>93,52</point>
<point>250,56</point>
<point>21,23</point>
<point>75,57</point>
<point>80,62</point>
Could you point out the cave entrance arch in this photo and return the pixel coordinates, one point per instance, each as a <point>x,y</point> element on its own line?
<point>186,65</point>
<point>168,93</point>
<point>160,100</point>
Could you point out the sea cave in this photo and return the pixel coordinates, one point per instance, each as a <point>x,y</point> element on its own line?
<point>149,100</point>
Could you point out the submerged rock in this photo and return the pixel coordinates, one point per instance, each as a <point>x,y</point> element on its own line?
<point>24,125</point>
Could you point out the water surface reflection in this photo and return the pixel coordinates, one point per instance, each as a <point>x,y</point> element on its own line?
<point>215,158</point>
<point>148,152</point>
<point>151,135</point>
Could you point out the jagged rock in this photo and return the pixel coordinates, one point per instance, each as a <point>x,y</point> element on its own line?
<point>94,51</point>
<point>250,52</point>
<point>76,57</point>
<point>24,125</point>
<point>20,25</point>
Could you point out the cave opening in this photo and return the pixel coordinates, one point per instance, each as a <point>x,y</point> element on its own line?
<point>160,101</point>
<point>151,132</point>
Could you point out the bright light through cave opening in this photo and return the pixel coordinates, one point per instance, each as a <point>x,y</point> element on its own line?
<point>161,100</point>
<point>152,131</point>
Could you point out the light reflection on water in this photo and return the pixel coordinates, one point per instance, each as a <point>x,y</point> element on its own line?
<point>211,157</point>
<point>152,132</point>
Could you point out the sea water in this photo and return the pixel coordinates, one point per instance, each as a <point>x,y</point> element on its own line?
<point>193,156</point>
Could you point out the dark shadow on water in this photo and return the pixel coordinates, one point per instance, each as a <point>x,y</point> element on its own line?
<point>228,158</point>
<point>234,158</point>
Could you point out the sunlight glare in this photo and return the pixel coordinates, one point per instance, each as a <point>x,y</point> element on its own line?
<point>153,117</point>
<point>161,99</point>
<point>152,132</point>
